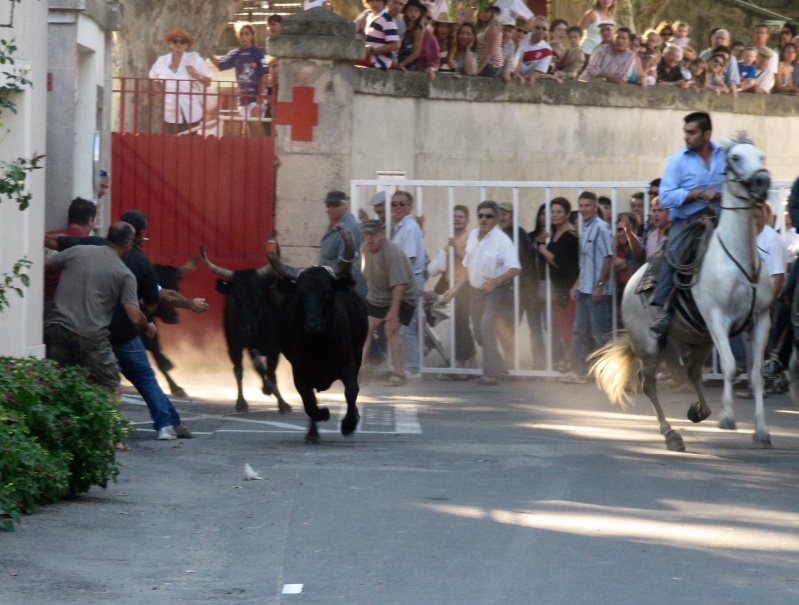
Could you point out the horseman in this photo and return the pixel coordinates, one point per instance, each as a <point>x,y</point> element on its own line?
<point>691,190</point>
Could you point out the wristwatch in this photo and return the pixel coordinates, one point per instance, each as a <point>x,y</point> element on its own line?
<point>600,283</point>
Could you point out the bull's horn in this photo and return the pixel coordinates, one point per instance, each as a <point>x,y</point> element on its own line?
<point>263,271</point>
<point>344,264</point>
<point>284,271</point>
<point>225,274</point>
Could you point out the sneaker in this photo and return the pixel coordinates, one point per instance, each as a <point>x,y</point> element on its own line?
<point>413,375</point>
<point>182,431</point>
<point>166,433</point>
<point>486,381</point>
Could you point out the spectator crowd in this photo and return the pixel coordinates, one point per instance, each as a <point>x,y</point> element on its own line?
<point>505,40</point>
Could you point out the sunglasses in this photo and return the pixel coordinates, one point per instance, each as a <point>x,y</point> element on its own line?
<point>397,204</point>
<point>521,30</point>
<point>484,215</point>
<point>179,41</point>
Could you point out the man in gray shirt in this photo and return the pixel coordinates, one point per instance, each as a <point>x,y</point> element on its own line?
<point>94,282</point>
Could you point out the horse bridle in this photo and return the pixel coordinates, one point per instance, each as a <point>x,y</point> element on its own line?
<point>747,184</point>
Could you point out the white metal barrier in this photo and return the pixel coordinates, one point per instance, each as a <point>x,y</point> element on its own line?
<point>447,194</point>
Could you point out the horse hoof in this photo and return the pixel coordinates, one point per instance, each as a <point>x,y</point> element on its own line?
<point>241,406</point>
<point>178,392</point>
<point>695,415</point>
<point>350,423</point>
<point>266,390</point>
<point>763,439</point>
<point>283,407</point>
<point>674,442</point>
<point>727,424</point>
<point>324,415</point>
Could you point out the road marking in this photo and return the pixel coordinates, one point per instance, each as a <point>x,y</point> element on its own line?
<point>385,418</point>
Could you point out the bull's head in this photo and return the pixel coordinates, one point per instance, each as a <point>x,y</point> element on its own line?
<point>316,287</point>
<point>246,287</point>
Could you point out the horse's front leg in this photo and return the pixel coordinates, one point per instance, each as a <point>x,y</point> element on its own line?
<point>719,328</point>
<point>759,334</point>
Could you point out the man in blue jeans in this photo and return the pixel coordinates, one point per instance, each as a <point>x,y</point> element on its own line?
<point>128,347</point>
<point>592,292</point>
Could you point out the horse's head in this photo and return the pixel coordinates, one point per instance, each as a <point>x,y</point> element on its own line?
<point>747,177</point>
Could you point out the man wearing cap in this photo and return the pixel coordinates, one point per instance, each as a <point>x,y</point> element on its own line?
<point>332,245</point>
<point>392,293</point>
<point>611,62</point>
<point>378,204</point>
<point>408,236</point>
<point>491,264</point>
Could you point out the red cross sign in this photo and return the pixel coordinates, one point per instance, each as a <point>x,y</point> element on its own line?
<point>301,113</point>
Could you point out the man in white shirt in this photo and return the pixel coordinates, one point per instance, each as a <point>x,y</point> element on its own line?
<point>535,54</point>
<point>769,247</point>
<point>491,263</point>
<point>408,236</point>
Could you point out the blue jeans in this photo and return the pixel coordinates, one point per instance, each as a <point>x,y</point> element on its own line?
<point>485,308</point>
<point>591,320</point>
<point>410,336</point>
<point>135,366</point>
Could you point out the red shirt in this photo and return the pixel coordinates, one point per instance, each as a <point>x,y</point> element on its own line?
<point>51,277</point>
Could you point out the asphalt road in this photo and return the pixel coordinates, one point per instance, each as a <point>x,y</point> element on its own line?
<point>529,492</point>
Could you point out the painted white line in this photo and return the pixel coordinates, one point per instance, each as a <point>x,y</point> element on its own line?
<point>292,588</point>
<point>406,421</point>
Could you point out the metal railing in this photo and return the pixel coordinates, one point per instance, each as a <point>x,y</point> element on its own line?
<point>183,107</point>
<point>440,198</point>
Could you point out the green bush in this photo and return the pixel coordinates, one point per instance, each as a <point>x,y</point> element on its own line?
<point>57,432</point>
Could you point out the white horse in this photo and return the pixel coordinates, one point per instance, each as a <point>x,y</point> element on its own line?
<point>731,292</point>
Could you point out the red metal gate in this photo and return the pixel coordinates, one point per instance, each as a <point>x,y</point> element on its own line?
<point>195,189</point>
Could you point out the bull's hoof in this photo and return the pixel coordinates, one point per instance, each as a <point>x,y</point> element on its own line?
<point>178,392</point>
<point>324,415</point>
<point>350,423</point>
<point>313,434</point>
<point>695,414</point>
<point>241,405</point>
<point>762,438</point>
<point>727,424</point>
<point>283,407</point>
<point>674,442</point>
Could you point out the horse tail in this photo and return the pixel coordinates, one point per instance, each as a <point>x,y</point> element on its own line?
<point>613,366</point>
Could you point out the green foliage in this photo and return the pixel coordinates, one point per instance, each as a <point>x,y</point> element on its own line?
<point>7,281</point>
<point>12,179</point>
<point>57,434</point>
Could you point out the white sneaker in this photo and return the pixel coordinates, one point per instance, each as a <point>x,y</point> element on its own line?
<point>412,376</point>
<point>167,433</point>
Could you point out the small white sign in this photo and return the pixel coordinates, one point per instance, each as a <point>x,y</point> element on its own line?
<point>292,588</point>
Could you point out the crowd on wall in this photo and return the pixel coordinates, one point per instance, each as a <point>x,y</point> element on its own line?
<point>505,40</point>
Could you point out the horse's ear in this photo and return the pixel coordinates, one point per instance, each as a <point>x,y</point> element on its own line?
<point>726,144</point>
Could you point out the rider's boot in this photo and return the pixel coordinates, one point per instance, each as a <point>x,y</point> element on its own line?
<point>660,327</point>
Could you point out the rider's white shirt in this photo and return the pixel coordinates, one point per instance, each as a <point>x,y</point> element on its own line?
<point>771,250</point>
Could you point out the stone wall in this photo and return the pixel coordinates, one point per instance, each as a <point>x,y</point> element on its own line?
<point>455,128</point>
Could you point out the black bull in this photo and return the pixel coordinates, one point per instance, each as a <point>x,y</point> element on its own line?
<point>320,326</point>
<point>249,320</point>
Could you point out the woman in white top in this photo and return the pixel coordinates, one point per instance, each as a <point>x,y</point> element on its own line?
<point>600,11</point>
<point>184,76</point>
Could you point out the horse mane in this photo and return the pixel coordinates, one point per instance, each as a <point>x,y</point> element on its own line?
<point>742,138</point>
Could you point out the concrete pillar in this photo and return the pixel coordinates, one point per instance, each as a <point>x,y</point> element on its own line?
<point>313,144</point>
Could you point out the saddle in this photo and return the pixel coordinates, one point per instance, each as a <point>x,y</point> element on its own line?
<point>686,260</point>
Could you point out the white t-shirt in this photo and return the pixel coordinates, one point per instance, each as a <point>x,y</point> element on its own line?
<point>534,57</point>
<point>489,257</point>
<point>771,250</point>
<point>183,99</point>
